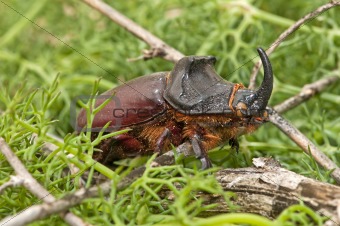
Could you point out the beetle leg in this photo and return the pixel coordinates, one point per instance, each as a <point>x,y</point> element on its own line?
<point>200,153</point>
<point>118,147</point>
<point>232,95</point>
<point>233,142</point>
<point>161,140</point>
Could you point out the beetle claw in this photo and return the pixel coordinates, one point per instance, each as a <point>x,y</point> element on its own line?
<point>200,153</point>
<point>161,140</point>
<point>234,144</point>
<point>206,163</point>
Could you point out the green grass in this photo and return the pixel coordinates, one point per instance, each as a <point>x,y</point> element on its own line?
<point>45,65</point>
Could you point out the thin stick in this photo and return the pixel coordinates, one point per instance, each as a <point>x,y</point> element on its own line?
<point>286,33</point>
<point>34,187</point>
<point>158,47</point>
<point>306,93</point>
<point>294,134</point>
<point>44,210</point>
<point>13,182</point>
<point>303,142</point>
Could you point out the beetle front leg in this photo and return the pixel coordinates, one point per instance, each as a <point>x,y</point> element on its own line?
<point>200,152</point>
<point>161,140</point>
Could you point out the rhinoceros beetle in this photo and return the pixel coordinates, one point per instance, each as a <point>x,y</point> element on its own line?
<point>190,103</point>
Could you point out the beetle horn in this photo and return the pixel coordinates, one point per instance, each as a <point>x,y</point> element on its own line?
<point>264,91</point>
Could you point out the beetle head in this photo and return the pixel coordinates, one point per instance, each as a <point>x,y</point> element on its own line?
<point>253,102</point>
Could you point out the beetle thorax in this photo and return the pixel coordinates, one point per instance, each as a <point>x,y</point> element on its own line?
<point>225,126</point>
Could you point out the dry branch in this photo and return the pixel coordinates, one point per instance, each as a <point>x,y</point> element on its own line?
<point>306,145</point>
<point>265,190</point>
<point>13,182</point>
<point>158,47</point>
<point>286,33</point>
<point>268,190</point>
<point>33,186</point>
<point>306,93</point>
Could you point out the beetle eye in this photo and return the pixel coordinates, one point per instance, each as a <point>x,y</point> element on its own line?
<point>241,106</point>
<point>241,109</point>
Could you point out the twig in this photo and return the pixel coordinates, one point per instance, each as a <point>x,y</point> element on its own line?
<point>303,142</point>
<point>286,33</point>
<point>306,93</point>
<point>34,187</point>
<point>41,211</point>
<point>13,182</point>
<point>158,47</point>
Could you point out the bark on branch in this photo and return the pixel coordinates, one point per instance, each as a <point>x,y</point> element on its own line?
<point>269,190</point>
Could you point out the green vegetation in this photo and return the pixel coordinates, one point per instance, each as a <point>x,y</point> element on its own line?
<point>46,64</point>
